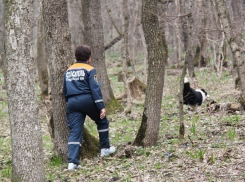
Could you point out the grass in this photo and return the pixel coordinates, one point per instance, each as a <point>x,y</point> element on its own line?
<point>211,135</point>
<point>232,134</point>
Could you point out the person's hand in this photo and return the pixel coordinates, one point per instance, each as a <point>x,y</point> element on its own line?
<point>102,113</point>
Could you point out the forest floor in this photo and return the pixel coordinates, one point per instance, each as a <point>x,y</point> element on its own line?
<point>213,148</point>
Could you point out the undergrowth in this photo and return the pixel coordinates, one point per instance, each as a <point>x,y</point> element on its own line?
<point>212,140</point>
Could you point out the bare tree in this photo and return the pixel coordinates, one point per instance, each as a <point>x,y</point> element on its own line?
<point>75,23</point>
<point>58,44</point>
<point>202,32</point>
<point>26,135</point>
<point>2,55</point>
<point>125,56</point>
<point>181,102</point>
<point>230,36</point>
<point>94,38</point>
<point>41,57</point>
<point>148,132</point>
<point>60,56</point>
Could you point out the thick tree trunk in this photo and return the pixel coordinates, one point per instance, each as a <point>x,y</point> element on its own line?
<point>60,57</point>
<point>148,132</point>
<point>237,19</point>
<point>2,55</point>
<point>58,44</point>
<point>227,27</point>
<point>75,23</point>
<point>26,135</point>
<point>41,58</point>
<point>94,38</point>
<point>145,53</point>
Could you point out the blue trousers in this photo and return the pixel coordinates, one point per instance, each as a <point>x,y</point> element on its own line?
<point>77,108</point>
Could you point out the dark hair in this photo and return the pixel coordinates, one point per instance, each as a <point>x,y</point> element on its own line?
<point>82,53</point>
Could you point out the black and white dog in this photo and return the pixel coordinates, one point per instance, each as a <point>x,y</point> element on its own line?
<point>193,98</point>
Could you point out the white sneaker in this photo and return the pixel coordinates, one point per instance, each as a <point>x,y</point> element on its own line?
<point>106,152</point>
<point>72,166</point>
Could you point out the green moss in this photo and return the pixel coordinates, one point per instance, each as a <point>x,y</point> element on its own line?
<point>90,145</point>
<point>113,106</point>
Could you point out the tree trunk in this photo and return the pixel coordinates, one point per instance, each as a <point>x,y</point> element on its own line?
<point>58,44</point>
<point>238,20</point>
<point>227,27</point>
<point>190,31</point>
<point>134,17</point>
<point>202,33</point>
<point>2,55</point>
<point>26,135</point>
<point>178,34</point>
<point>41,58</point>
<point>238,23</point>
<point>187,26</point>
<point>184,25</point>
<point>148,132</point>
<point>75,23</point>
<point>181,101</point>
<point>125,56</point>
<point>145,53</point>
<point>60,57</point>
<point>94,38</point>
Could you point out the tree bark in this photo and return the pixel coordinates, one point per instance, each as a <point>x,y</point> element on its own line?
<point>202,32</point>
<point>41,58</point>
<point>230,36</point>
<point>2,54</point>
<point>181,101</point>
<point>94,38</point>
<point>125,56</point>
<point>26,135</point>
<point>148,132</point>
<point>178,32</point>
<point>190,41</point>
<point>58,42</point>
<point>184,25</point>
<point>187,26</point>
<point>145,53</point>
<point>60,57</point>
<point>75,23</point>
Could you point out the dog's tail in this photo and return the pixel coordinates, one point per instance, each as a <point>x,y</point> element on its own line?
<point>186,85</point>
<point>186,80</point>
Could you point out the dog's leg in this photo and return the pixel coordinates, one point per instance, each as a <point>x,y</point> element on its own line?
<point>198,109</point>
<point>195,108</point>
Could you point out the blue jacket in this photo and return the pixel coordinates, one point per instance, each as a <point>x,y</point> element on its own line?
<point>81,78</point>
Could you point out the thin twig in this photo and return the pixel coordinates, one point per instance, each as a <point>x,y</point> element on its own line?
<point>191,140</point>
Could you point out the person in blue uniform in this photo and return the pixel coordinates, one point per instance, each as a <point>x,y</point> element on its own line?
<point>83,95</point>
